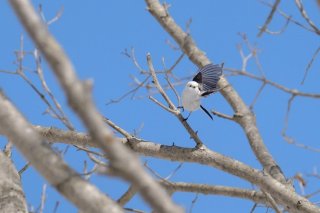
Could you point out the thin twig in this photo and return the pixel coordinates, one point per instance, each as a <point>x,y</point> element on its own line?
<point>176,63</point>
<point>133,91</point>
<point>257,95</point>
<point>43,198</point>
<point>310,64</point>
<point>39,70</point>
<point>253,208</point>
<point>8,72</point>
<point>157,84</point>
<point>161,105</point>
<point>285,26</point>
<point>244,58</point>
<point>285,127</point>
<point>269,18</point>
<point>56,17</point>
<point>221,115</point>
<point>272,202</point>
<point>306,17</point>
<point>253,52</point>
<point>312,194</point>
<point>288,17</point>
<point>156,174</point>
<point>274,84</point>
<point>133,210</point>
<point>174,172</point>
<point>177,113</point>
<point>127,196</point>
<point>286,120</point>
<point>173,89</point>
<point>56,206</point>
<point>193,202</point>
<point>117,128</point>
<point>24,168</point>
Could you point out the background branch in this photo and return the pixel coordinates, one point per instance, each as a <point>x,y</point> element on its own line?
<point>12,198</point>
<point>269,18</point>
<point>280,193</point>
<point>50,165</point>
<point>122,161</point>
<point>246,120</point>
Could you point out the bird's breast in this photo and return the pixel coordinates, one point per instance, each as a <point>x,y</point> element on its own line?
<point>190,100</point>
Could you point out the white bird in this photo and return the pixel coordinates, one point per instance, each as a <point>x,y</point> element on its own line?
<point>202,85</point>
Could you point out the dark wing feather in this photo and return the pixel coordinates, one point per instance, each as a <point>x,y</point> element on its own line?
<point>198,78</point>
<point>210,75</point>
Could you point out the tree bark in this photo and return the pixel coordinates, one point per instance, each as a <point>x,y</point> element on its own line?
<point>12,198</point>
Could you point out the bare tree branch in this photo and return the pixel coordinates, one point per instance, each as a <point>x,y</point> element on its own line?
<point>61,114</point>
<point>127,196</point>
<point>70,137</point>
<point>252,195</point>
<point>123,162</point>
<point>43,198</point>
<point>289,139</point>
<point>246,118</point>
<point>272,202</point>
<point>285,26</point>
<point>12,198</point>
<point>274,84</point>
<point>306,17</point>
<point>193,202</point>
<point>288,17</point>
<point>286,197</point>
<point>270,16</point>
<point>50,165</point>
<point>310,64</point>
<point>221,115</point>
<point>172,108</point>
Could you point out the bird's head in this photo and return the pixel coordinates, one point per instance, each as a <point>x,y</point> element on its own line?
<point>192,85</point>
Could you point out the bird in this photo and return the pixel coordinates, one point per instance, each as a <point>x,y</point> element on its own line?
<point>202,85</point>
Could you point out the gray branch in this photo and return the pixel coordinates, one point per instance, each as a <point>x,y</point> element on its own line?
<point>255,196</point>
<point>11,193</point>
<point>282,195</point>
<point>123,162</point>
<point>50,165</point>
<point>246,119</point>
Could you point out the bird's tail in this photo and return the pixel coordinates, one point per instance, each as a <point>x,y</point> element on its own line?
<point>206,111</point>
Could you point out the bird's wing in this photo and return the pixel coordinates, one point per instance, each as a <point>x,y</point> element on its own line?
<point>208,77</point>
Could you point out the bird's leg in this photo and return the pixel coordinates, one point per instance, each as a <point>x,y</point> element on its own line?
<point>185,119</point>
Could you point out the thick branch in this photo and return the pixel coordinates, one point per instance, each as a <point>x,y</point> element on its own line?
<point>246,118</point>
<point>284,196</point>
<point>122,161</point>
<point>279,192</point>
<point>11,193</point>
<point>50,165</point>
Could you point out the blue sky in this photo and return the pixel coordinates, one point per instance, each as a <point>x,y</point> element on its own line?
<point>95,33</point>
